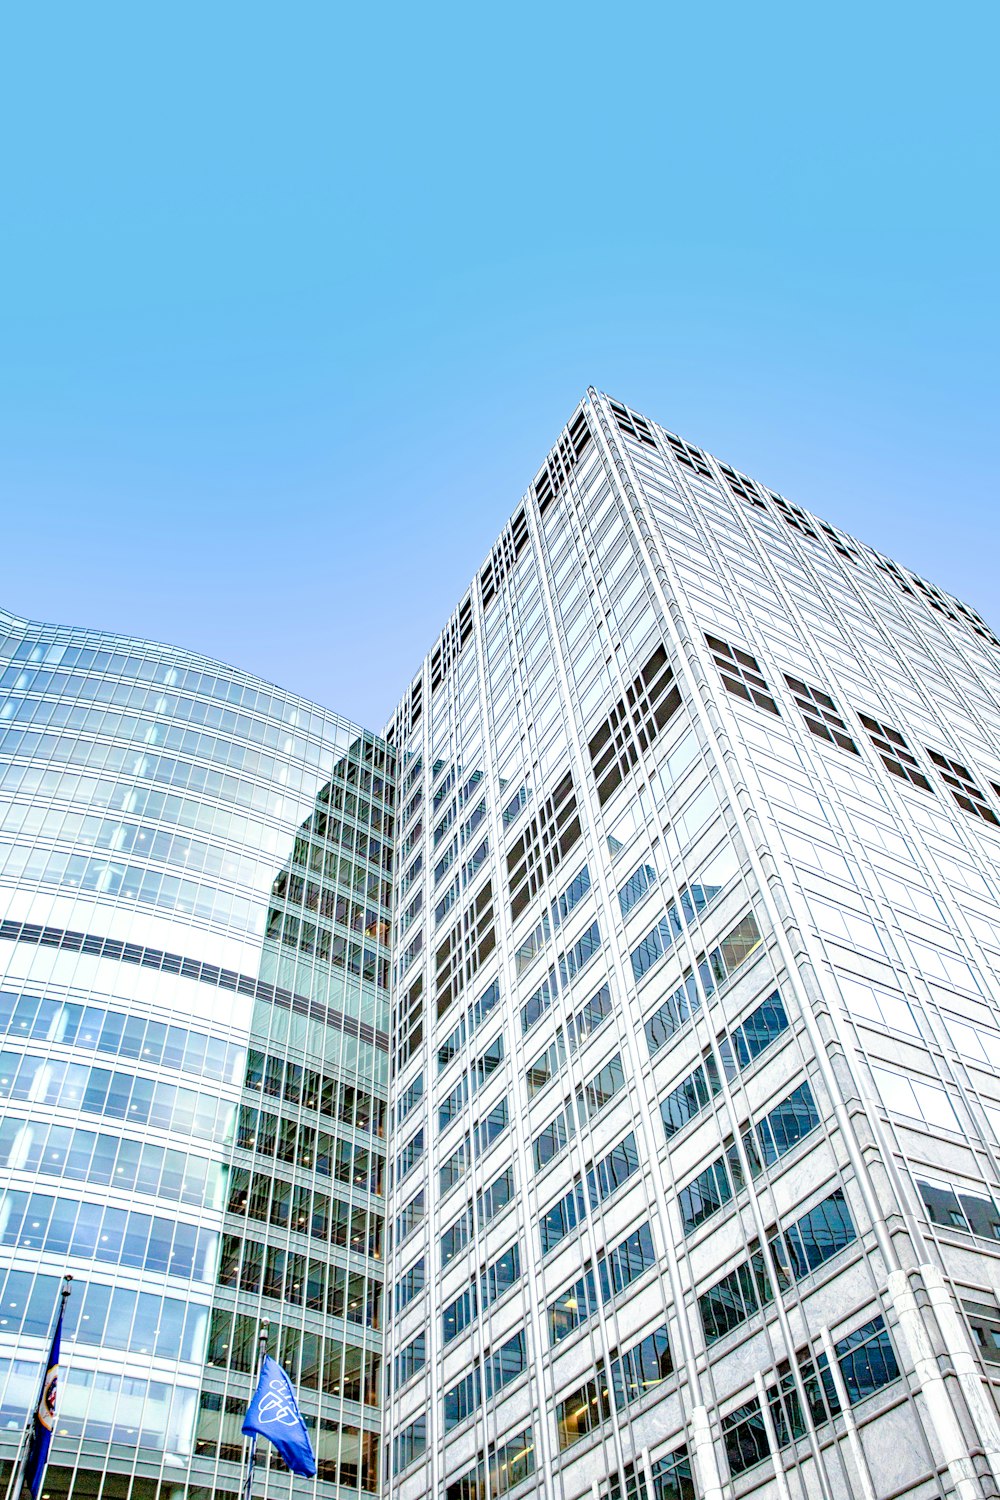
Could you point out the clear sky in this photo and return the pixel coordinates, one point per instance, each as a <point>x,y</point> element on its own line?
<point>295,298</point>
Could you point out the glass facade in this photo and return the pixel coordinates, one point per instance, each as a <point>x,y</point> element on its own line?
<point>195,903</point>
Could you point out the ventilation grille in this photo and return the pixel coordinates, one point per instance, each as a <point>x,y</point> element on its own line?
<point>793,515</point>
<point>408,1025</point>
<point>821,714</point>
<point>890,569</point>
<point>742,487</point>
<point>561,462</point>
<point>935,598</point>
<point>633,724</point>
<point>407,714</point>
<point>976,621</point>
<point>449,648</point>
<point>962,787</point>
<point>692,458</point>
<point>548,837</point>
<point>839,542</point>
<point>894,752</point>
<point>503,557</point>
<point>632,424</point>
<point>466,948</point>
<point>741,674</point>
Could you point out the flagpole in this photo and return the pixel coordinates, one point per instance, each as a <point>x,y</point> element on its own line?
<point>16,1481</point>
<point>252,1455</point>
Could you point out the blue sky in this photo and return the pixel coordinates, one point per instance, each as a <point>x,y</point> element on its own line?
<point>294,300</point>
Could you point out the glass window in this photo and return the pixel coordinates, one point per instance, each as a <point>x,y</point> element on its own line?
<point>502,1365</point>
<point>707,1193</point>
<point>538,1003</point>
<point>562,1218</point>
<point>639,884</point>
<point>412,1095</point>
<point>511,1462</point>
<point>495,1197</point>
<point>468,1486</point>
<point>672,1478</point>
<point>486,1131</point>
<point>626,1261</point>
<point>607,1176</point>
<point>735,1298</point>
<point>745,1437</point>
<point>572,1307</point>
<point>747,1041</point>
<point>810,1241</point>
<point>571,896</point>
<point>409,1156</point>
<point>546,1065</point>
<point>452,1104</point>
<point>589,1017</point>
<point>583,1410</point>
<point>600,1089</point>
<point>499,1277</point>
<point>650,949</point>
<point>409,1444</point>
<point>409,1285</point>
<point>576,958</point>
<point>551,1140</point>
<point>409,1217</point>
<point>462,1399</point>
<point>787,1123</point>
<point>642,1368</point>
<point>453,1168</point>
<point>457,1315</point>
<point>867,1360</point>
<point>674,1011</point>
<point>455,1238</point>
<point>735,948</point>
<point>409,1360</point>
<point>690,1096</point>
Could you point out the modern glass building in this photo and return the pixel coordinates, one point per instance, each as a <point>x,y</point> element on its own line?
<point>645,970</point>
<point>194,938</point>
<point>695,1106</point>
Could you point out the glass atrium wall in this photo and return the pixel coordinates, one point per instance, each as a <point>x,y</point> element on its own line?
<point>194,910</point>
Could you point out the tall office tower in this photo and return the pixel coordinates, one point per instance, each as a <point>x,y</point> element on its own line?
<point>194,877</point>
<point>695,1107</point>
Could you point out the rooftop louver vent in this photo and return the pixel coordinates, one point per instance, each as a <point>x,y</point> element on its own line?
<point>692,458</point>
<point>741,674</point>
<point>632,424</point>
<point>895,754</point>
<point>962,787</point>
<point>561,462</point>
<point>742,487</point>
<point>549,835</point>
<point>633,724</point>
<point>821,714</point>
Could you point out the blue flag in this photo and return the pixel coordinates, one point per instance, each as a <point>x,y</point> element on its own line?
<point>45,1416</point>
<point>274,1413</point>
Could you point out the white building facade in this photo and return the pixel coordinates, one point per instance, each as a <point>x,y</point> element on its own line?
<point>694,1111</point>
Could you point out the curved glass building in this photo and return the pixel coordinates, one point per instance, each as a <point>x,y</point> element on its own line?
<point>194,921</point>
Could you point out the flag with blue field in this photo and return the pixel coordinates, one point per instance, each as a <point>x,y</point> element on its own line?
<point>274,1413</point>
<point>45,1416</point>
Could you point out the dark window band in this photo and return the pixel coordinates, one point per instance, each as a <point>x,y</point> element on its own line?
<point>190,968</point>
